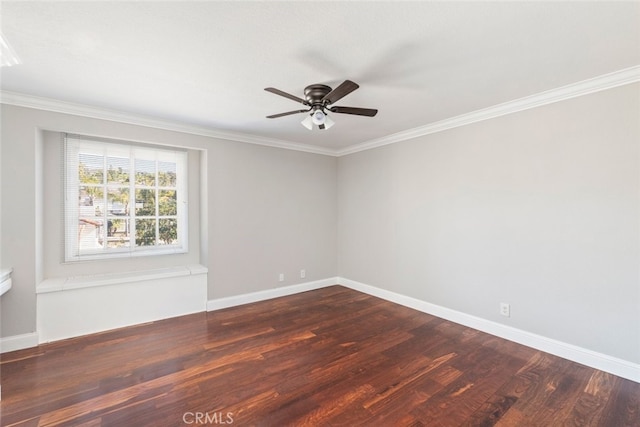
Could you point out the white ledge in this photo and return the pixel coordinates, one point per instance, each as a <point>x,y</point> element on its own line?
<point>58,284</point>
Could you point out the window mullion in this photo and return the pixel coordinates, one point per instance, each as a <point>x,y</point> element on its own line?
<point>132,202</point>
<point>105,199</point>
<point>157,203</point>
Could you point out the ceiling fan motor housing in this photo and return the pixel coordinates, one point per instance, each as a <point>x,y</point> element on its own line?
<point>314,94</point>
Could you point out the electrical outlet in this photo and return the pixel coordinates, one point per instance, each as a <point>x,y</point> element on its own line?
<point>303,273</point>
<point>505,309</point>
<point>281,278</point>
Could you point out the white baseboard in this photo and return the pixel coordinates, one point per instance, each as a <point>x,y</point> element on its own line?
<point>603,362</point>
<point>219,303</point>
<point>18,342</point>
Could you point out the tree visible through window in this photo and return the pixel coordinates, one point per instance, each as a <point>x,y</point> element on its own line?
<point>123,199</point>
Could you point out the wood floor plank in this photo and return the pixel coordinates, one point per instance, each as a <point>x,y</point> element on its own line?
<point>328,357</point>
<point>623,406</point>
<point>592,401</point>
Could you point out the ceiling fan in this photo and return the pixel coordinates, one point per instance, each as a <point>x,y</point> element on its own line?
<point>319,98</point>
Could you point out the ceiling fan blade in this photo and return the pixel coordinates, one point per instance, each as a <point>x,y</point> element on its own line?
<point>286,95</point>
<point>340,92</point>
<point>275,116</point>
<point>369,112</point>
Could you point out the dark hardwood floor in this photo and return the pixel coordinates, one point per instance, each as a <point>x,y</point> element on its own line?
<point>332,356</point>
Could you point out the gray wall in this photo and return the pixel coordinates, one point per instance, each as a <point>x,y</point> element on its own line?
<point>539,209</point>
<point>263,211</point>
<point>273,211</point>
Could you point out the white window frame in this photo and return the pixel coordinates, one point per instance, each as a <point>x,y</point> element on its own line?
<point>74,145</point>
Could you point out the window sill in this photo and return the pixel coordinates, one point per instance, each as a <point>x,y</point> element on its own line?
<point>125,254</point>
<point>79,282</point>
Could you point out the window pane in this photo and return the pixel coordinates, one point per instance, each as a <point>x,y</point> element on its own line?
<point>90,234</point>
<point>145,202</point>
<point>145,232</point>
<point>90,201</point>
<point>167,174</point>
<point>118,201</point>
<point>118,232</point>
<point>145,172</point>
<point>168,228</point>
<point>90,168</point>
<point>167,203</point>
<point>117,170</point>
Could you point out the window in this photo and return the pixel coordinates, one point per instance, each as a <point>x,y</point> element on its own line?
<point>123,199</point>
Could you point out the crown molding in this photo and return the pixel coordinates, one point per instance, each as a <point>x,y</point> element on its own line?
<point>585,87</point>
<point>53,105</point>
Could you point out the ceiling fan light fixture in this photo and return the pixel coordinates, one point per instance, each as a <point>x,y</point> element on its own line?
<point>307,122</point>
<point>318,117</point>
<point>321,123</point>
<point>327,122</point>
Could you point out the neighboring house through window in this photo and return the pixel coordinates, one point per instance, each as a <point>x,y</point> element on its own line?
<point>123,199</point>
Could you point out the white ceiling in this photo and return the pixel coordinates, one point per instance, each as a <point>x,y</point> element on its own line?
<point>206,64</point>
